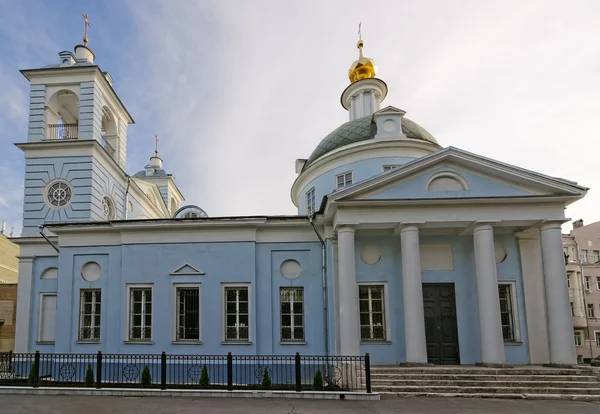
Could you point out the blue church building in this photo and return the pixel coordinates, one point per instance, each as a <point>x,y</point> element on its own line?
<point>411,251</point>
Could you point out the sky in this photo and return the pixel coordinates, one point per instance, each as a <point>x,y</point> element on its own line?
<point>238,90</point>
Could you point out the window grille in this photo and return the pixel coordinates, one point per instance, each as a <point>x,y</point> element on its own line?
<point>89,315</point>
<point>237,327</point>
<point>372,313</point>
<point>292,314</point>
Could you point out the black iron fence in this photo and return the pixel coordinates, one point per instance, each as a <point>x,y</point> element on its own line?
<point>63,131</point>
<point>162,371</point>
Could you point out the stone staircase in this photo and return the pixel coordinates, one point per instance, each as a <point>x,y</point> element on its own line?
<point>531,382</point>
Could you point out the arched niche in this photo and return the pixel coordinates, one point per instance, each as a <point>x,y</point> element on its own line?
<point>447,181</point>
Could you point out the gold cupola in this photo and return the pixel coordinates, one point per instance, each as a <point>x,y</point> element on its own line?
<point>363,68</point>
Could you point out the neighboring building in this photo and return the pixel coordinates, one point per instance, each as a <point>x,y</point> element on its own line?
<point>582,253</point>
<point>401,248</point>
<point>8,291</point>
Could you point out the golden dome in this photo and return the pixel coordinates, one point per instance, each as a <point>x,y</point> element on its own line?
<point>363,68</point>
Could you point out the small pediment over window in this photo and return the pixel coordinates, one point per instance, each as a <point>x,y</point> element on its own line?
<point>186,270</point>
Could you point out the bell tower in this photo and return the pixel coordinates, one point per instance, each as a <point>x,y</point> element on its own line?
<point>76,149</point>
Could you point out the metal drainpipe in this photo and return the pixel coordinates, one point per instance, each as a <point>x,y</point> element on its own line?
<point>585,311</point>
<point>42,227</point>
<point>324,284</point>
<point>127,195</point>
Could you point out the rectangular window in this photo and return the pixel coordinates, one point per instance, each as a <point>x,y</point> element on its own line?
<point>47,317</point>
<point>584,256</point>
<point>310,201</point>
<point>568,281</point>
<point>187,325</point>
<point>292,314</point>
<point>578,338</point>
<point>566,251</point>
<point>590,310</point>
<point>237,321</point>
<point>140,314</point>
<point>372,313</point>
<point>344,180</point>
<point>598,283</point>
<point>387,168</point>
<point>597,334</point>
<point>588,283</point>
<point>507,312</point>
<point>596,256</point>
<point>572,309</point>
<point>89,314</point>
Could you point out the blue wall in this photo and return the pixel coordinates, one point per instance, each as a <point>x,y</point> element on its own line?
<point>361,170</point>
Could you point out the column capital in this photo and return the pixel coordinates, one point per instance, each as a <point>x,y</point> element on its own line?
<point>484,225</point>
<point>552,224</point>
<point>345,229</point>
<point>408,226</point>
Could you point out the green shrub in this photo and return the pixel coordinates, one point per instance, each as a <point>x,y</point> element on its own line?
<point>266,380</point>
<point>204,379</point>
<point>31,373</point>
<point>146,377</point>
<point>318,381</point>
<point>89,376</point>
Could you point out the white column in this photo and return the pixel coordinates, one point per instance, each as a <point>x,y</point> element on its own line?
<point>24,304</point>
<point>560,324</point>
<point>488,300</point>
<point>349,327</point>
<point>412,287</point>
<point>535,302</point>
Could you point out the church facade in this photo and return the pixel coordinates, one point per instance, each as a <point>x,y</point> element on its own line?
<point>402,248</point>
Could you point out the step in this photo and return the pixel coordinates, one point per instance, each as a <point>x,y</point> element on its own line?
<point>496,390</point>
<point>515,382</point>
<point>573,397</point>
<point>482,371</point>
<point>470,377</point>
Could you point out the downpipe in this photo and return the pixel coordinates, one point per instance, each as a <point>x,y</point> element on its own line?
<point>42,227</point>
<point>323,284</point>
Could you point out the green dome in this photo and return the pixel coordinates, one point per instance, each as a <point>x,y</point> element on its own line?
<point>362,129</point>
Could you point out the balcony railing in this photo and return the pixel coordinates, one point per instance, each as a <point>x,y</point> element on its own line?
<point>63,131</point>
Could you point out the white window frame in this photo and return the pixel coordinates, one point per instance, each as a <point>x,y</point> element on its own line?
<point>596,254</point>
<point>224,308</point>
<point>592,308</point>
<point>93,314</point>
<point>584,256</point>
<point>345,181</point>
<point>386,312</point>
<point>39,333</point>
<point>579,333</point>
<point>572,308</point>
<point>292,314</point>
<point>128,339</point>
<point>588,283</point>
<point>597,338</point>
<point>176,311</point>
<point>390,167</point>
<point>310,202</point>
<point>515,309</point>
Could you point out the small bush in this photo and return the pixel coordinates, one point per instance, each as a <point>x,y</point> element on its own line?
<point>266,380</point>
<point>318,381</point>
<point>146,377</point>
<point>89,376</point>
<point>204,379</point>
<point>31,373</point>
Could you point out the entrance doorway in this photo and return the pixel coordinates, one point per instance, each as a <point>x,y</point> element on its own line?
<point>441,331</point>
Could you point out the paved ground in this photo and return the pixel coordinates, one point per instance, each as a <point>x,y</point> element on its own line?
<point>16,404</point>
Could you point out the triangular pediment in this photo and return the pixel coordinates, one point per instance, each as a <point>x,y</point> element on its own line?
<point>186,270</point>
<point>390,110</point>
<point>453,173</point>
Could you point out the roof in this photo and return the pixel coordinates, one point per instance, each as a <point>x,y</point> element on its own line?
<point>363,129</point>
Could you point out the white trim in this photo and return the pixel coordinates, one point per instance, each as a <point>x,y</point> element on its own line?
<point>93,314</point>
<point>47,188</point>
<point>39,330</point>
<point>311,207</point>
<point>582,336</point>
<point>386,310</point>
<point>343,175</point>
<point>515,308</point>
<point>128,288</point>
<point>225,285</point>
<point>292,315</point>
<point>175,311</point>
<point>194,272</point>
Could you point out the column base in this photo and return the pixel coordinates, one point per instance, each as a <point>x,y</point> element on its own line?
<point>492,365</point>
<point>415,364</point>
<point>560,365</point>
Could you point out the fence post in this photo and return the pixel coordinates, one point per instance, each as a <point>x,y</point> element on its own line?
<point>163,371</point>
<point>368,372</point>
<point>229,372</point>
<point>99,370</point>
<point>10,355</point>
<point>36,369</point>
<point>298,373</point>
